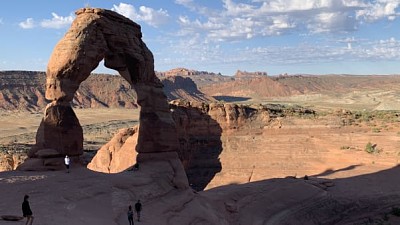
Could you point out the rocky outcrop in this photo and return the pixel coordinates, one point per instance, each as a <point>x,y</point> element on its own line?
<point>201,129</point>
<point>10,161</point>
<point>177,87</point>
<point>105,91</point>
<point>255,87</point>
<point>247,75</point>
<point>98,34</point>
<point>118,154</point>
<point>22,90</point>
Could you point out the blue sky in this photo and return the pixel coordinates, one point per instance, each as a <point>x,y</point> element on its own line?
<point>275,36</point>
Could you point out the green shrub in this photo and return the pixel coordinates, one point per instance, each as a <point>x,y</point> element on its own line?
<point>370,148</point>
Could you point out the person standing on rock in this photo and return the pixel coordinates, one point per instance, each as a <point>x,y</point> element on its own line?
<point>67,161</point>
<point>26,211</point>
<point>138,208</point>
<point>130,215</point>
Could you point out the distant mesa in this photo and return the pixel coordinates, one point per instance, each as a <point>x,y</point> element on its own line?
<point>184,72</point>
<point>245,74</point>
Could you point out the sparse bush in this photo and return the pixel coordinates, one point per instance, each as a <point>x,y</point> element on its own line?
<point>376,130</point>
<point>371,148</point>
<point>345,147</point>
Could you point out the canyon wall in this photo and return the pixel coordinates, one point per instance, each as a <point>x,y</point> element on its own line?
<point>224,143</point>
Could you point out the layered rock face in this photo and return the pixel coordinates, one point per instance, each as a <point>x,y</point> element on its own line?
<point>223,144</point>
<point>94,35</point>
<point>201,129</point>
<point>177,87</point>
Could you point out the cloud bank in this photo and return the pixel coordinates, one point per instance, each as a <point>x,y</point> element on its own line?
<point>278,17</point>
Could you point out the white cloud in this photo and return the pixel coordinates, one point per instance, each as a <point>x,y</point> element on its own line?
<point>1,21</point>
<point>126,10</point>
<point>380,9</point>
<point>237,21</point>
<point>187,3</point>
<point>237,9</point>
<point>345,50</point>
<point>271,17</point>
<point>195,7</point>
<point>153,17</point>
<point>148,15</point>
<point>29,23</point>
<point>254,18</point>
<point>57,21</point>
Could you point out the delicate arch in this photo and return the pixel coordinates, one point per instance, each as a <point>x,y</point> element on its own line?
<point>98,34</point>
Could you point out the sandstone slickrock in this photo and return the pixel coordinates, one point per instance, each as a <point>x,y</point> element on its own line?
<point>118,154</point>
<point>94,35</point>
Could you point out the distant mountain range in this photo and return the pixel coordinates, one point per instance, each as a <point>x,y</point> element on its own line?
<point>24,90</point>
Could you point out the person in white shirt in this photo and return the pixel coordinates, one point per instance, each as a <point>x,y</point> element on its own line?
<point>67,161</point>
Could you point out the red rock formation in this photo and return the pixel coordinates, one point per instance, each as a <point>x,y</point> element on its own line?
<point>200,131</point>
<point>10,162</point>
<point>177,87</point>
<point>94,35</point>
<point>118,154</point>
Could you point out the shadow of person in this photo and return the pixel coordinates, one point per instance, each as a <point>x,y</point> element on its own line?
<point>331,171</point>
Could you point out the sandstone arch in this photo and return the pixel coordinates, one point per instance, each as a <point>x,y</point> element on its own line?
<point>98,34</point>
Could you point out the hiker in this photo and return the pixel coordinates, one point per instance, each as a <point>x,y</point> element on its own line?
<point>138,208</point>
<point>26,211</point>
<point>130,215</point>
<point>136,167</point>
<point>67,161</point>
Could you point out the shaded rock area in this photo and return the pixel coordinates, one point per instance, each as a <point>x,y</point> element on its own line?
<point>88,197</point>
<point>177,87</point>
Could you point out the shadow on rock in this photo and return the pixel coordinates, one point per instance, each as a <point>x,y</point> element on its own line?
<point>200,143</point>
<point>231,98</point>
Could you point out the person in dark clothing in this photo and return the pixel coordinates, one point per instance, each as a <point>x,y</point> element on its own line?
<point>26,211</point>
<point>130,215</point>
<point>138,208</point>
